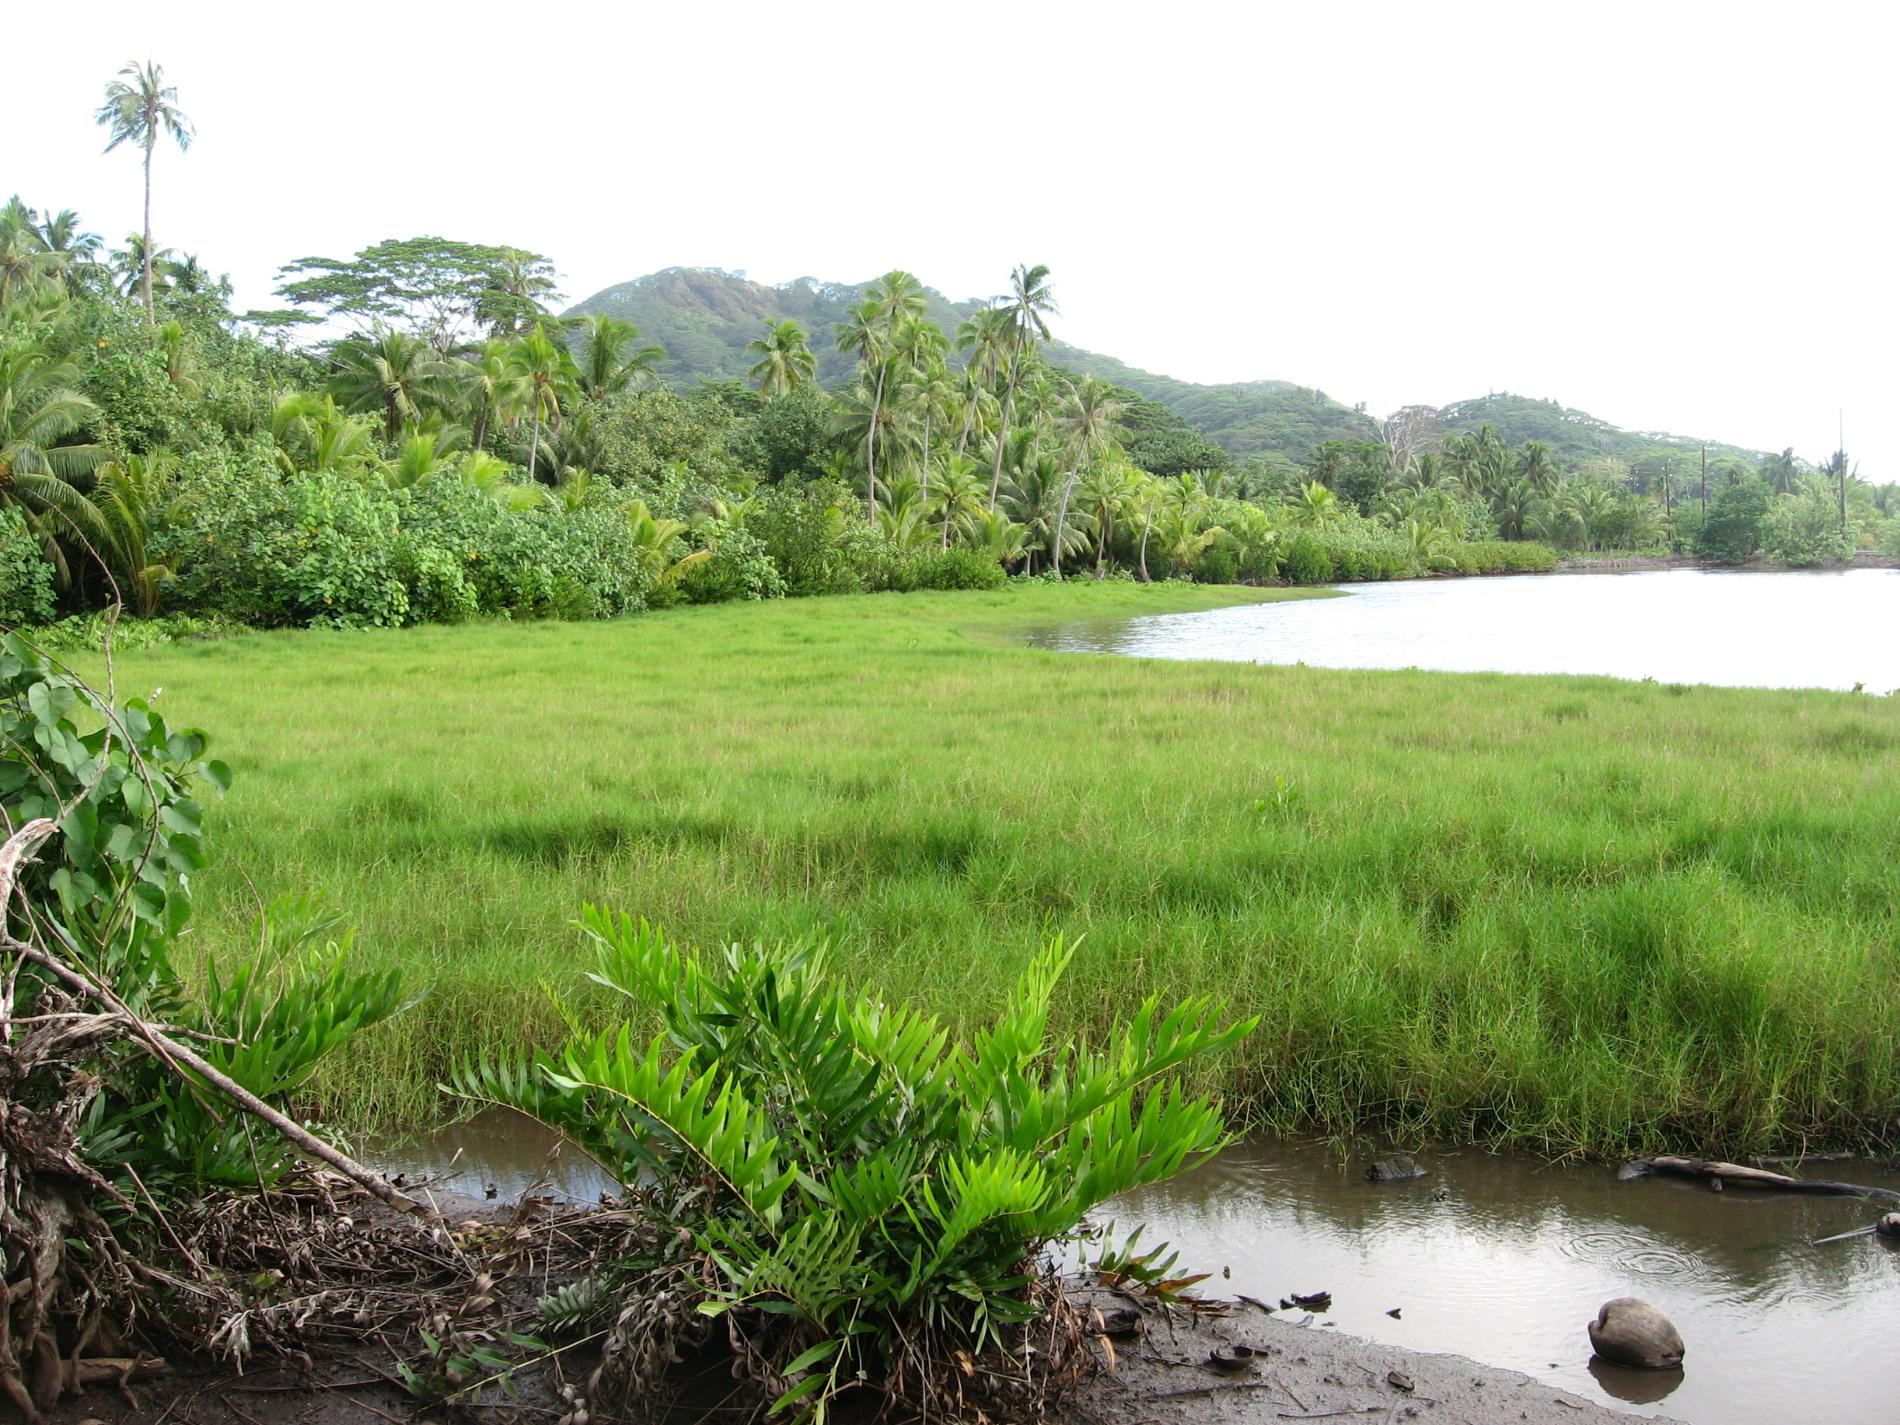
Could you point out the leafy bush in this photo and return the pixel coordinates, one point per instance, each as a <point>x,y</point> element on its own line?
<point>1501,556</point>
<point>86,633</point>
<point>740,568</point>
<point>1732,532</point>
<point>1220,565</point>
<point>112,889</point>
<point>26,579</point>
<point>1804,529</point>
<point>1305,558</point>
<point>905,571</point>
<point>816,535</point>
<point>870,1195</point>
<point>245,542</point>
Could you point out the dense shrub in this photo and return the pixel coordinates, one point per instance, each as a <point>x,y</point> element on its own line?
<point>1804,529</point>
<point>906,571</point>
<point>1501,556</point>
<point>26,579</point>
<point>739,568</point>
<point>245,542</point>
<point>816,535</point>
<point>1305,558</point>
<point>1220,565</point>
<point>1732,533</point>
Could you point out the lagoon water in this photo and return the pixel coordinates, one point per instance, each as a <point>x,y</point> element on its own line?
<point>1743,629</point>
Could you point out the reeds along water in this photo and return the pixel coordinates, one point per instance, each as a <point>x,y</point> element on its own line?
<point>1555,912</point>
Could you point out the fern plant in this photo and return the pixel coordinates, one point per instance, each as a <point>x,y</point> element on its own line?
<point>872,1195</point>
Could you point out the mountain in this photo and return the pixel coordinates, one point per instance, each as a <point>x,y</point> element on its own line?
<point>705,318</point>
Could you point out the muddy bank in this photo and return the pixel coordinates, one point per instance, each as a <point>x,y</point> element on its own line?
<point>1312,1372</point>
<point>1163,1374</point>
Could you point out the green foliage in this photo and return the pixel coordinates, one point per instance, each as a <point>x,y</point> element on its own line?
<point>1498,556</point>
<point>1733,531</point>
<point>906,571</point>
<point>26,579</point>
<point>817,536</point>
<point>739,567</point>
<point>112,890</point>
<point>1804,528</point>
<point>861,1176</point>
<point>434,287</point>
<point>1353,550</point>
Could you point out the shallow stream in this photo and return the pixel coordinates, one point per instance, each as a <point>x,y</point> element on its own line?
<point>1499,1258</point>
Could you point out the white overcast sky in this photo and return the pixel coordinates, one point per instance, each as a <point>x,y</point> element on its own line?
<point>1671,215</point>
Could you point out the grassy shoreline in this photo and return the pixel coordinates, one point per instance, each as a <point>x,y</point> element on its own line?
<point>1563,913</point>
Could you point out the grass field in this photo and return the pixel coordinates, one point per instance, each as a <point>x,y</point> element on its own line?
<point>1561,913</point>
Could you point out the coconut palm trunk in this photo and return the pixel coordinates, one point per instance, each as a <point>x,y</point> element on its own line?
<point>1147,523</point>
<point>1062,517</point>
<point>534,442</point>
<point>1002,438</point>
<point>870,448</point>
<point>151,141</point>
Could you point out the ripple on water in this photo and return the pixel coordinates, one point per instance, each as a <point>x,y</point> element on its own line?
<point>1631,1253</point>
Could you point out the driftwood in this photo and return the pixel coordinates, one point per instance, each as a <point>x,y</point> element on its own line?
<point>1723,1175</point>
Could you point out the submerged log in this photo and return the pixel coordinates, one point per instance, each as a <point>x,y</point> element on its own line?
<point>1721,1175</point>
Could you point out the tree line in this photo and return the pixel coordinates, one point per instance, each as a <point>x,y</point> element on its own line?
<point>416,435</point>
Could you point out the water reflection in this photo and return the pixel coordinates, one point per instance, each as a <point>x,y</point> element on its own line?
<point>1505,1260</point>
<point>1784,630</point>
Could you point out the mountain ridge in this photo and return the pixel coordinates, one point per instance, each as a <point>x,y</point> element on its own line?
<point>705,317</point>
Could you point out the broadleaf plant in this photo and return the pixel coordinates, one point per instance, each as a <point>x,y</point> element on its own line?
<point>871,1194</point>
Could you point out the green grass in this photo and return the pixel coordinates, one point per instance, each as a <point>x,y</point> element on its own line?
<point>1558,912</point>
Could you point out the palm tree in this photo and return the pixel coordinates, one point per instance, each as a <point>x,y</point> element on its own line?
<point>654,539</point>
<point>1536,466</point>
<point>859,334</point>
<point>998,536</point>
<point>785,359</point>
<point>1088,423</point>
<point>138,103</point>
<point>135,268</point>
<point>1112,488</point>
<point>513,297</point>
<point>543,380</point>
<point>23,265</point>
<point>1782,472</point>
<point>957,500</point>
<point>391,372</point>
<point>126,491</point>
<point>41,409</point>
<point>929,392</point>
<point>1315,506</point>
<point>483,382</point>
<point>1030,304</point>
<point>609,368</point>
<point>317,437</point>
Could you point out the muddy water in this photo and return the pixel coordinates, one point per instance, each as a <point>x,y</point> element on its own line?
<point>1502,1259</point>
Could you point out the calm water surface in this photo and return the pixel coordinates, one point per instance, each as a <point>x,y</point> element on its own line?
<point>1499,1258</point>
<point>1784,630</point>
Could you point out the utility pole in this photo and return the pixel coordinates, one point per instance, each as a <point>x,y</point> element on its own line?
<point>1840,461</point>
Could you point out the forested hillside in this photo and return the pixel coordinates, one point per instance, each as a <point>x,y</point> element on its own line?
<point>705,318</point>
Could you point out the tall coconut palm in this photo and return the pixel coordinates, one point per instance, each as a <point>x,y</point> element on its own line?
<point>861,334</point>
<point>393,373</point>
<point>542,383</point>
<point>71,252</point>
<point>138,104</point>
<point>607,367</point>
<point>785,361</point>
<point>483,384</point>
<point>1030,304</point>
<point>1089,422</point>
